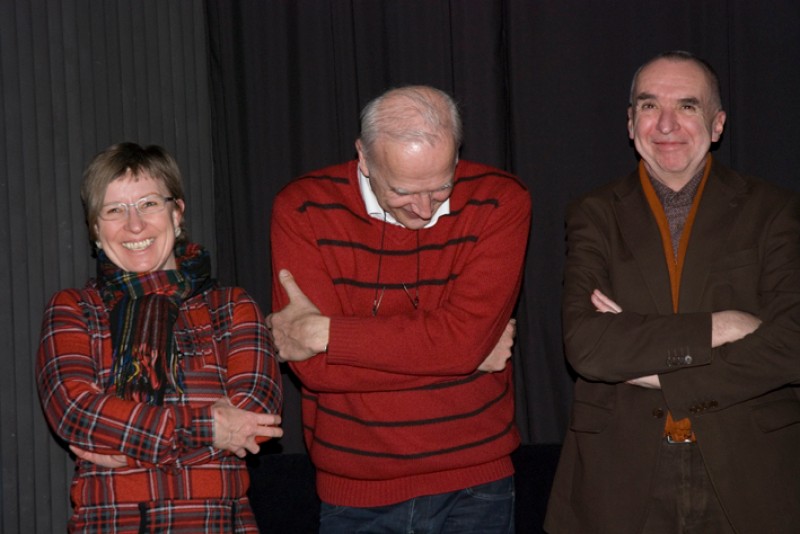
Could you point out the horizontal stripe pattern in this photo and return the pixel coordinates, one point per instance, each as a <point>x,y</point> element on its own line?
<point>364,421</point>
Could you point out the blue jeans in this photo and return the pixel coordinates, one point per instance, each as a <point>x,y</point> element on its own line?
<point>483,509</point>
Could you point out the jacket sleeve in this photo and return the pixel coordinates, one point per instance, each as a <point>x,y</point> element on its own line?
<point>639,341</point>
<point>405,351</point>
<point>254,380</point>
<point>81,413</point>
<point>767,359</point>
<point>248,358</point>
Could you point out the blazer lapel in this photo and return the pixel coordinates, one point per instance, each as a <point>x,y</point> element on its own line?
<point>709,234</point>
<point>640,232</point>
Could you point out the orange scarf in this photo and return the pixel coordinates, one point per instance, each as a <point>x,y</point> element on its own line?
<point>682,429</point>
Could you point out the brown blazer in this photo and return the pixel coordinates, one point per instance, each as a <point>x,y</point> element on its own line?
<point>743,254</point>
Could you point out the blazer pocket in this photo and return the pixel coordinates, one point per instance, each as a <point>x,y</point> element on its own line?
<point>589,418</point>
<point>777,414</point>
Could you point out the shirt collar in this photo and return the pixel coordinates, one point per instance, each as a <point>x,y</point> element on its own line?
<point>684,196</point>
<point>375,210</point>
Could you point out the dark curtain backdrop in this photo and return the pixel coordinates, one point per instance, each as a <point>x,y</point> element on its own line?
<point>543,87</point>
<point>75,77</point>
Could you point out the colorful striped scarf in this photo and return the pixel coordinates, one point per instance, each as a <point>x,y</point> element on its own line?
<point>144,308</point>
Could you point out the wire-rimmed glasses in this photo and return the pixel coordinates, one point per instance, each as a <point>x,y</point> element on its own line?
<point>117,211</point>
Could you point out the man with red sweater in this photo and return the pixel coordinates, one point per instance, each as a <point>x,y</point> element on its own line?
<point>410,262</point>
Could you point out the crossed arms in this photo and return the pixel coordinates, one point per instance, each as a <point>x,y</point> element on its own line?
<point>301,331</point>
<point>736,354</point>
<point>113,432</point>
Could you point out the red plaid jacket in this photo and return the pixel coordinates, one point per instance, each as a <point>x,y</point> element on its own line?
<point>173,473</point>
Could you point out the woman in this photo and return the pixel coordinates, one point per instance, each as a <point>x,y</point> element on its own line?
<point>159,380</point>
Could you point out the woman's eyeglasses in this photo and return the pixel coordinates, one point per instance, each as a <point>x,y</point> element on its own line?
<point>148,205</point>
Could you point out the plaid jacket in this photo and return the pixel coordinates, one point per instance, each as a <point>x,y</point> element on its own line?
<point>174,479</point>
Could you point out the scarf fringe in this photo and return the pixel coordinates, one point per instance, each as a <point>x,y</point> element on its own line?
<point>144,308</point>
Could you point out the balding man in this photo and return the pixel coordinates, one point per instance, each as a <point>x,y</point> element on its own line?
<point>681,318</point>
<point>410,262</point>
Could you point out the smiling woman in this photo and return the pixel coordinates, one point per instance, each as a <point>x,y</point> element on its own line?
<point>159,380</point>
<point>149,180</point>
<point>139,240</point>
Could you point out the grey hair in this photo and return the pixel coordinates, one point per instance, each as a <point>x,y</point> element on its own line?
<point>411,113</point>
<point>682,55</point>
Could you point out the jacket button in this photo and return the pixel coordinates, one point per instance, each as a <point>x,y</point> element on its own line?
<point>687,360</point>
<point>658,413</point>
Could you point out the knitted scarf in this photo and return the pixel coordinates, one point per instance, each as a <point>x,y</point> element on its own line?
<point>144,308</point>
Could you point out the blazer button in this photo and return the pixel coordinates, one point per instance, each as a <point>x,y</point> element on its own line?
<point>687,360</point>
<point>658,413</point>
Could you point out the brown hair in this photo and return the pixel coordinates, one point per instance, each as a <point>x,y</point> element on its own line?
<point>115,162</point>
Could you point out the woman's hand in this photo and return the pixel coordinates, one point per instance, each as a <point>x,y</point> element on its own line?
<point>103,460</point>
<point>239,431</point>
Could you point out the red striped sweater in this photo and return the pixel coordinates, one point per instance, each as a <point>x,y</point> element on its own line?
<point>395,408</point>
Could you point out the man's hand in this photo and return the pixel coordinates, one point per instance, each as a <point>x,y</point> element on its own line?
<point>103,460</point>
<point>731,325</point>
<point>239,431</point>
<point>648,382</point>
<point>603,303</point>
<point>606,305</point>
<point>501,353</point>
<point>300,331</point>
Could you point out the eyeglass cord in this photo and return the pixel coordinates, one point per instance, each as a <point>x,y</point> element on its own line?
<point>376,302</point>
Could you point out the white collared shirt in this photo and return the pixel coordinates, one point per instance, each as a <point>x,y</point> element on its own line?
<point>376,211</point>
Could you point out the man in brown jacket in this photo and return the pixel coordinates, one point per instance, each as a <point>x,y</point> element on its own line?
<point>682,320</point>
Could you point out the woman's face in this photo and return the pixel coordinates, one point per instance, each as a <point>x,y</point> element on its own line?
<point>138,242</point>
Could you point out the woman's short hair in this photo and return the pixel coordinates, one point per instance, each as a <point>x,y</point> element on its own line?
<point>116,161</point>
